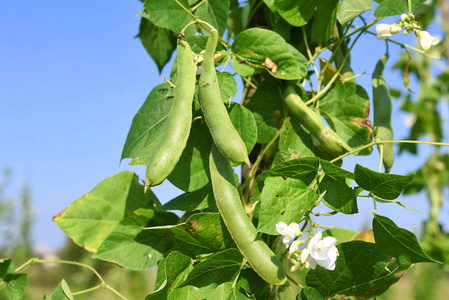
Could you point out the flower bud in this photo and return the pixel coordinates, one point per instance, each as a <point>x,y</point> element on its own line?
<point>404,17</point>
<point>395,29</point>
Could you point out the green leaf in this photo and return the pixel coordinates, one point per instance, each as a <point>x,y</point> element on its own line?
<point>339,196</point>
<point>398,242</point>
<point>174,265</point>
<point>159,42</point>
<point>215,13</point>
<point>295,12</point>
<point>201,233</point>
<point>278,24</point>
<point>361,270</point>
<point>266,106</point>
<point>228,86</point>
<point>103,221</point>
<point>342,235</point>
<point>134,248</point>
<point>15,285</point>
<point>253,284</point>
<point>283,200</point>
<point>304,169</point>
<point>295,140</point>
<point>346,107</point>
<point>386,186</point>
<point>148,126</point>
<point>302,61</point>
<point>308,293</point>
<point>323,22</point>
<point>220,268</point>
<point>192,170</point>
<point>6,267</point>
<point>238,19</point>
<point>62,292</point>
<point>245,124</point>
<point>198,200</point>
<point>380,200</point>
<point>395,7</point>
<point>349,9</point>
<point>169,14</point>
<point>254,45</point>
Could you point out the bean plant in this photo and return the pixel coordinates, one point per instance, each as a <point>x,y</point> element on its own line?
<point>257,235</point>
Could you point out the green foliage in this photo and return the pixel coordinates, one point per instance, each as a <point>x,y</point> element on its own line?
<point>293,158</point>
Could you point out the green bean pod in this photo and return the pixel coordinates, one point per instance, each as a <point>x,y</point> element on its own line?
<point>383,129</point>
<point>174,140</point>
<point>217,118</point>
<point>242,231</point>
<point>328,139</point>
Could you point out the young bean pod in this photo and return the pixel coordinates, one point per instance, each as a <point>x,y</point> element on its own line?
<point>217,118</point>
<point>383,129</point>
<point>169,150</point>
<point>328,139</point>
<point>227,197</point>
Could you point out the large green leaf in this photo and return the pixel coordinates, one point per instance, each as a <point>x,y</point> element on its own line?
<point>349,9</point>
<point>283,200</point>
<point>339,196</point>
<point>386,186</point>
<point>171,271</point>
<point>215,13</point>
<point>251,47</point>
<point>201,233</point>
<point>103,221</point>
<point>192,170</point>
<point>296,141</point>
<point>148,126</point>
<point>15,285</point>
<point>159,42</point>
<point>220,268</point>
<point>169,14</point>
<point>398,242</point>
<point>266,106</point>
<point>346,107</point>
<point>295,12</point>
<point>395,7</point>
<point>132,247</point>
<point>304,169</point>
<point>361,270</point>
<point>245,124</point>
<point>323,22</point>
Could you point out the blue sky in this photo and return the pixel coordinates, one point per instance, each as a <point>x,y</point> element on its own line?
<point>72,76</point>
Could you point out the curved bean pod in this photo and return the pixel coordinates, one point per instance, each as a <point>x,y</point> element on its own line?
<point>169,150</point>
<point>383,129</point>
<point>256,252</point>
<point>329,140</point>
<point>217,118</point>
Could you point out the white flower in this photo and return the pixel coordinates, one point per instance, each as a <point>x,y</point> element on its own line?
<point>294,247</point>
<point>289,232</point>
<point>395,29</point>
<point>383,31</point>
<point>321,251</point>
<point>404,17</point>
<point>427,40</point>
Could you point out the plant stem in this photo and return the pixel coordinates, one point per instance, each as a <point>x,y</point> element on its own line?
<point>409,7</point>
<point>198,5</point>
<point>295,282</point>
<point>381,151</point>
<point>252,174</point>
<point>88,290</point>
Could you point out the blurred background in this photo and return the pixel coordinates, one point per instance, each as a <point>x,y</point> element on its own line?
<point>73,75</point>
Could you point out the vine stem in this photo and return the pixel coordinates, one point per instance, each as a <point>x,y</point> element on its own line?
<point>103,284</point>
<point>387,142</point>
<point>381,151</point>
<point>251,177</point>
